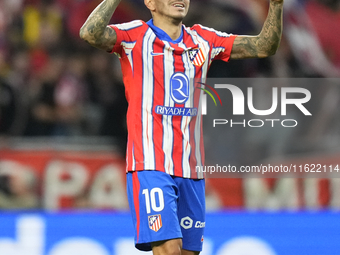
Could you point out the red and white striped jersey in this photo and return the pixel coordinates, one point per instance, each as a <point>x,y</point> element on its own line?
<point>164,114</point>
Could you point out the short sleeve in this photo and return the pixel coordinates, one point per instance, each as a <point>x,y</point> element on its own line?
<point>221,43</point>
<point>126,33</point>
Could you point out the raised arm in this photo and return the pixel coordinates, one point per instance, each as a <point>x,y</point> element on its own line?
<point>95,30</point>
<point>267,42</point>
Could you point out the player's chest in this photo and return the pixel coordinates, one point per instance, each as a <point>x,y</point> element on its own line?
<point>162,56</point>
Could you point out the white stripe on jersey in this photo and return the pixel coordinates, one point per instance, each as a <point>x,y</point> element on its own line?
<point>133,158</point>
<point>147,100</point>
<point>168,133</point>
<point>129,25</point>
<point>198,137</point>
<point>205,47</point>
<point>185,127</point>
<point>219,33</point>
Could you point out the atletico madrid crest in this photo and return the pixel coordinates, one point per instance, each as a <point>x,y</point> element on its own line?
<point>196,56</point>
<point>155,222</point>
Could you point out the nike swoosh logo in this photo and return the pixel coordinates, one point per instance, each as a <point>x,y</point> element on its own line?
<point>156,54</point>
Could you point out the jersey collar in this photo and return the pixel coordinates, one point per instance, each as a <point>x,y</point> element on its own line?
<point>163,35</point>
<point>173,45</point>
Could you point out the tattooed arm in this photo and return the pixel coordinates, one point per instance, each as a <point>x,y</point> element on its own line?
<point>267,42</point>
<point>95,30</point>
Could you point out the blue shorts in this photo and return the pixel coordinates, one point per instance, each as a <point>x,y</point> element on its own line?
<point>165,207</point>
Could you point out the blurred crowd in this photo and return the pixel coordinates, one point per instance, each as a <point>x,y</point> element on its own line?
<point>54,84</point>
<point>51,82</point>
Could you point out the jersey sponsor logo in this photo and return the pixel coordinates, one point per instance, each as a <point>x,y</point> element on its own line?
<point>155,222</point>
<point>187,223</point>
<point>175,111</point>
<point>199,224</point>
<point>196,56</point>
<point>179,87</point>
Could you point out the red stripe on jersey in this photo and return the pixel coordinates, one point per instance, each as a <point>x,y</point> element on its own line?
<point>202,144</point>
<point>187,142</point>
<point>177,152</point>
<point>129,154</point>
<point>158,99</point>
<point>192,159</point>
<point>135,104</point>
<point>128,81</point>
<point>193,124</point>
<point>126,68</point>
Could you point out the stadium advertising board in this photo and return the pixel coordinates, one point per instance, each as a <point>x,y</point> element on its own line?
<point>225,234</point>
<point>71,180</point>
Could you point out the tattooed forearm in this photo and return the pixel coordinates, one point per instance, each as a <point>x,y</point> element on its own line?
<point>267,42</point>
<point>270,36</point>
<point>95,30</point>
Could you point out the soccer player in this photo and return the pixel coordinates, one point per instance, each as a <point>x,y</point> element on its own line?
<point>160,60</point>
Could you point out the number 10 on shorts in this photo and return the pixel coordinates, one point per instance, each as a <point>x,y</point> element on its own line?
<point>151,197</point>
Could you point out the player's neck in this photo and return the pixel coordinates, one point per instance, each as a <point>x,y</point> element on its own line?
<point>172,28</point>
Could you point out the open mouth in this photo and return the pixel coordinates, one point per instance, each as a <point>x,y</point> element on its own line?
<point>178,5</point>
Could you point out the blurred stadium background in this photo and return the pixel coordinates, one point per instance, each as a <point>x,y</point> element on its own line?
<point>62,135</point>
